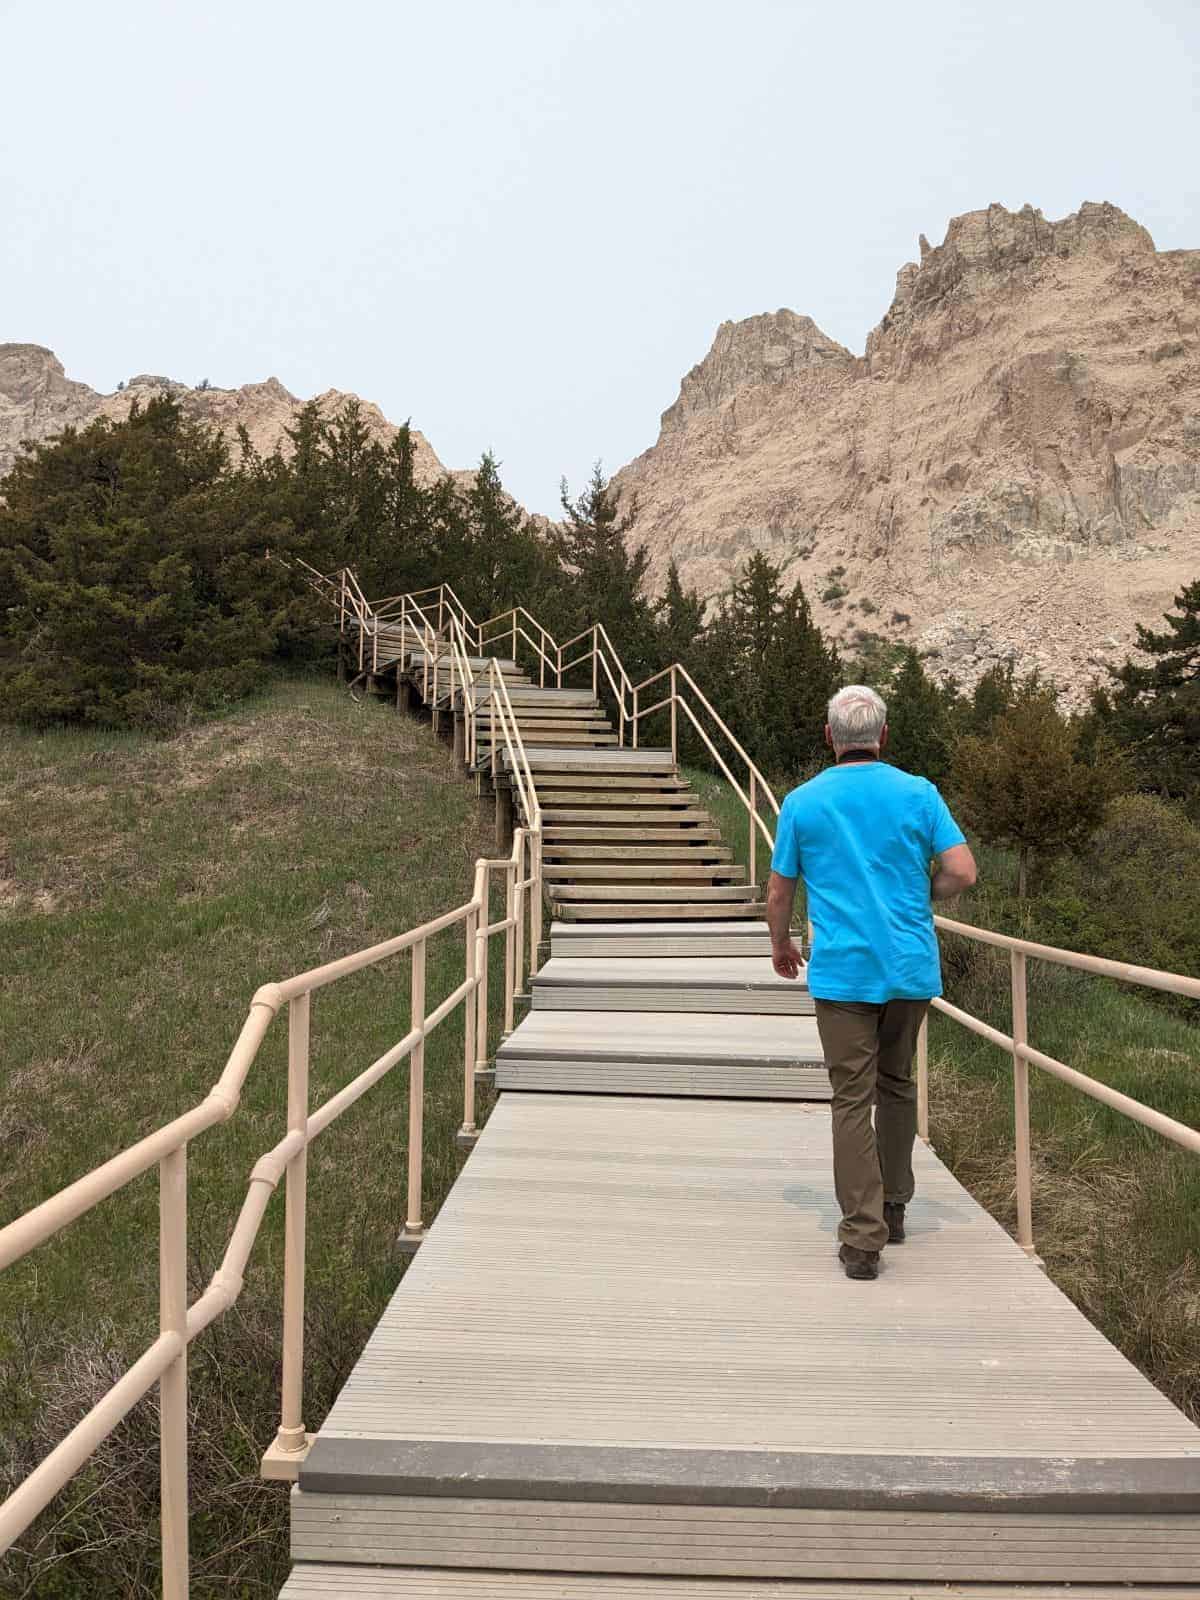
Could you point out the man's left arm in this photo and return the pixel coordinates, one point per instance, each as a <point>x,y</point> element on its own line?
<point>781,898</point>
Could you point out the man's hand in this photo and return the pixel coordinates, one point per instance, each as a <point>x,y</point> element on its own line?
<point>786,959</point>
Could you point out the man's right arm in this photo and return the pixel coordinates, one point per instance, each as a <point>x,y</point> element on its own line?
<point>955,872</point>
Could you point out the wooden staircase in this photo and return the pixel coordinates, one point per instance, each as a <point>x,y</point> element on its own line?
<point>624,836</point>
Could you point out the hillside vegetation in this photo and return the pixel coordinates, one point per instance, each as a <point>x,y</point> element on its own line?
<point>149,887</point>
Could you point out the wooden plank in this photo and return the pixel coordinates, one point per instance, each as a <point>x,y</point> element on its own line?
<point>649,939</point>
<point>334,1581</point>
<point>552,850</point>
<point>664,872</point>
<point>553,833</point>
<point>721,983</point>
<point>625,782</point>
<point>648,1036</point>
<point>637,891</point>
<point>656,1281</point>
<point>613,801</point>
<point>607,817</point>
<point>595,911</point>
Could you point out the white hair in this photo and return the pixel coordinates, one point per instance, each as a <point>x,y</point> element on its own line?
<point>856,717</point>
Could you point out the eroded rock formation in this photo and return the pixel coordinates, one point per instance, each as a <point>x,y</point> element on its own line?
<point>1012,467</point>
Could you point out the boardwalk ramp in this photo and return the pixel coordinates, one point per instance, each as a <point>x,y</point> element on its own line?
<point>626,1364</point>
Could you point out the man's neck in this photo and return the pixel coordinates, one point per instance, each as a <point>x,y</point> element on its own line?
<point>848,757</point>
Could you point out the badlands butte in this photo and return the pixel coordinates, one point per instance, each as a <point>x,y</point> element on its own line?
<point>1012,467</point>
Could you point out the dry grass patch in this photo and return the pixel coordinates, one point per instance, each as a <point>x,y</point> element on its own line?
<point>186,873</point>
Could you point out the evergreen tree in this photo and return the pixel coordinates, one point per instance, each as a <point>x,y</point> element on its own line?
<point>1153,709</point>
<point>1025,785</point>
<point>139,586</point>
<point>919,734</point>
<point>678,622</point>
<point>606,574</point>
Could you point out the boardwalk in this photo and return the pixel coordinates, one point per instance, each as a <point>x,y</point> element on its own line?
<point>626,1365</point>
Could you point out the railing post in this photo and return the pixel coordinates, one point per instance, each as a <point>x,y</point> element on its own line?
<point>173,1385</point>
<point>753,830</point>
<point>514,634</point>
<point>510,883</point>
<point>467,1133</point>
<point>923,1080</point>
<point>519,912</point>
<point>1020,1036</point>
<point>535,905</point>
<point>595,663</point>
<point>414,1228</point>
<point>674,716</point>
<point>635,719</point>
<point>291,1437</point>
<point>481,965</point>
<point>558,669</point>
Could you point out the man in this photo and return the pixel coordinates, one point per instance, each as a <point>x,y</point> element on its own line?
<point>863,836</point>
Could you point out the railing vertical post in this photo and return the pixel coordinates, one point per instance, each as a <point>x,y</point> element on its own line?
<point>1020,1035</point>
<point>542,662</point>
<point>514,634</point>
<point>414,1227</point>
<point>595,662</point>
<point>535,903</point>
<point>291,1435</point>
<point>173,1385</point>
<point>510,882</point>
<point>481,964</point>
<point>519,930</point>
<point>674,718</point>
<point>923,1080</point>
<point>753,830</point>
<point>441,606</point>
<point>558,669</point>
<point>470,959</point>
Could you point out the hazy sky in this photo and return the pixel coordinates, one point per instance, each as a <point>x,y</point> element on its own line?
<point>521,222</point>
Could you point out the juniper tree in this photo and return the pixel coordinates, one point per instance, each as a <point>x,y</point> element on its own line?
<point>1025,784</point>
<point>1153,709</point>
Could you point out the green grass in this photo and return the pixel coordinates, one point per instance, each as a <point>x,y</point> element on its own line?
<point>146,890</point>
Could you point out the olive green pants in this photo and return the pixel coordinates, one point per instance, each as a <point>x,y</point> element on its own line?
<point>869,1053</point>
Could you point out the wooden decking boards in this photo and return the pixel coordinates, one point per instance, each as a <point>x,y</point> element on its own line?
<point>627,1346</point>
<point>332,1581</point>
<point>626,1364</point>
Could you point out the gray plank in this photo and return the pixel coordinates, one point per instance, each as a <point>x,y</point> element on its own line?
<point>331,1581</point>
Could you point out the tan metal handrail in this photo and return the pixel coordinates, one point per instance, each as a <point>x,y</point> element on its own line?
<point>164,1362</point>
<point>1022,1053</point>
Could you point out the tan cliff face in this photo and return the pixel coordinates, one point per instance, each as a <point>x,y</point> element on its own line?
<point>38,400</point>
<point>1012,468</point>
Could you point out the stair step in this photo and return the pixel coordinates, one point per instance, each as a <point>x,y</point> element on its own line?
<point>663,872</point>
<point>555,833</point>
<point>657,1052</point>
<point>609,818</point>
<point>673,799</point>
<point>630,911</point>
<point>635,852</point>
<point>745,985</point>
<point>331,1580</point>
<point>674,892</point>
<point>577,741</point>
<point>626,940</point>
<point>620,760</point>
<point>535,696</point>
<point>630,782</point>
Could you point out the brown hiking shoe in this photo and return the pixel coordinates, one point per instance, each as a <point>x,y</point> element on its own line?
<point>859,1263</point>
<point>893,1215</point>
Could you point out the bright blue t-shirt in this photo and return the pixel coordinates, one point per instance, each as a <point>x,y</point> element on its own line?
<point>862,837</point>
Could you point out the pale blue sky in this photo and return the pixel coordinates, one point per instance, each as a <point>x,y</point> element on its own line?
<point>521,222</point>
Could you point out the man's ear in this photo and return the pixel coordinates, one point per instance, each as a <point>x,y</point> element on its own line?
<point>829,736</point>
<point>883,738</point>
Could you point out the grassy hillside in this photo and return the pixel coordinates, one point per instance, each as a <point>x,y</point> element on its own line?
<point>1116,1208</point>
<point>146,890</point>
